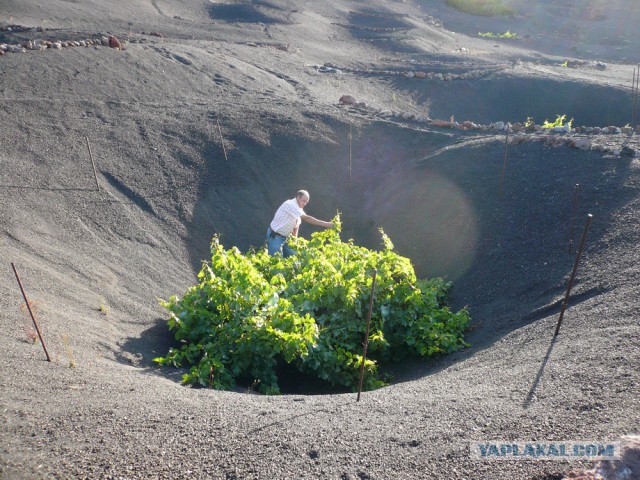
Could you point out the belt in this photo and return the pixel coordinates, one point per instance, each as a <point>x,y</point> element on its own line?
<point>275,234</point>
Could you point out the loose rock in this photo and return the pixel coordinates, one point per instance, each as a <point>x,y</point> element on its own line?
<point>582,143</point>
<point>115,43</point>
<point>627,151</point>
<point>347,100</point>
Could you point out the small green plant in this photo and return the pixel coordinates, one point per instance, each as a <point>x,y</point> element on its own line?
<point>506,34</point>
<point>482,8</point>
<point>251,312</point>
<point>529,123</point>
<point>103,308</point>
<point>558,123</point>
<point>565,63</point>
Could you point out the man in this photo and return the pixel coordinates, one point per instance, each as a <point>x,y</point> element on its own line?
<point>287,221</point>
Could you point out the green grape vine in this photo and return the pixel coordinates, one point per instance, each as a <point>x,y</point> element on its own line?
<point>250,311</point>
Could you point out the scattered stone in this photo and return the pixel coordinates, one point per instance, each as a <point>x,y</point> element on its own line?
<point>409,74</point>
<point>441,123</point>
<point>582,143</point>
<point>627,130</point>
<point>156,34</point>
<point>347,100</point>
<point>420,75</point>
<point>115,43</point>
<point>497,126</point>
<point>601,66</point>
<point>627,151</point>
<point>575,63</point>
<point>104,41</point>
<point>1,52</point>
<point>517,127</point>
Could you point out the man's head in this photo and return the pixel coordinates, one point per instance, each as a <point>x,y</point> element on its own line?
<point>302,197</point>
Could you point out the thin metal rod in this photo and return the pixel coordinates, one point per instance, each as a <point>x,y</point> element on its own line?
<point>93,164</point>
<point>634,95</point>
<point>635,108</point>
<point>573,274</point>
<point>26,301</point>
<point>222,141</point>
<point>366,335</point>
<point>633,99</point>
<point>504,164</point>
<point>350,139</point>
<point>573,215</point>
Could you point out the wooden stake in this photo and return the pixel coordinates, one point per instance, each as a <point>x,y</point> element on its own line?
<point>222,141</point>
<point>93,164</point>
<point>573,274</point>
<point>573,215</point>
<point>504,164</point>
<point>633,99</point>
<point>366,335</point>
<point>26,301</point>
<point>350,139</point>
<point>634,96</point>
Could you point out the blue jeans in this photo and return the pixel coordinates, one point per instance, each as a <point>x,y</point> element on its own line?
<point>277,243</point>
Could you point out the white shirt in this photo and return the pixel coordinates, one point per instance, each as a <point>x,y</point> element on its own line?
<point>287,217</point>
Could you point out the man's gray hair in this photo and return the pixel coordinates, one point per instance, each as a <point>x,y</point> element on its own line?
<point>302,193</point>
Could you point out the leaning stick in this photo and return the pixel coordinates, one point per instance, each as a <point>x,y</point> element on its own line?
<point>93,164</point>
<point>504,164</point>
<point>26,301</point>
<point>573,274</point>
<point>366,335</point>
<point>634,95</point>
<point>633,98</point>
<point>573,215</point>
<point>224,150</point>
<point>350,139</point>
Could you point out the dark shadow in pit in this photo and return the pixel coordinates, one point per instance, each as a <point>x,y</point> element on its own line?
<point>154,342</point>
<point>507,256</point>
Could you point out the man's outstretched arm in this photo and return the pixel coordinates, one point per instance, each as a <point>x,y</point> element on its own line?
<point>315,221</point>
